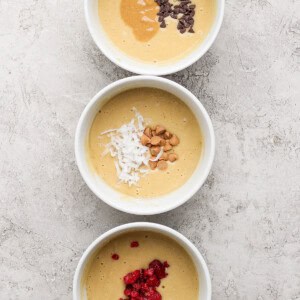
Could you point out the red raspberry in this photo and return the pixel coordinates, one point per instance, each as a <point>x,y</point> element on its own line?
<point>127,292</point>
<point>156,296</point>
<point>137,286</point>
<point>115,256</point>
<point>144,287</point>
<point>134,294</point>
<point>132,277</point>
<point>148,272</point>
<point>153,281</point>
<point>159,268</point>
<point>151,291</point>
<point>134,244</point>
<point>166,265</point>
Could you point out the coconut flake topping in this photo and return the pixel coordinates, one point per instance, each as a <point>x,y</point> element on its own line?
<point>126,148</point>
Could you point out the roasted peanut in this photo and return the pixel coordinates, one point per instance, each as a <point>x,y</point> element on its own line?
<point>167,146</point>
<point>152,164</point>
<point>167,135</point>
<point>172,157</point>
<point>174,140</point>
<point>154,133</point>
<point>162,142</point>
<point>148,132</point>
<point>164,156</point>
<point>154,150</point>
<point>145,140</point>
<point>160,129</point>
<point>155,140</point>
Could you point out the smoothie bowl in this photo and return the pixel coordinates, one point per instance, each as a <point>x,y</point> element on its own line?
<point>154,37</point>
<point>144,145</point>
<point>141,261</point>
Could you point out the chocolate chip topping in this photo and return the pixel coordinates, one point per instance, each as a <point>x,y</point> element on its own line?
<point>184,12</point>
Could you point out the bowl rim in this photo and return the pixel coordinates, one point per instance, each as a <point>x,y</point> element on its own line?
<point>140,225</point>
<point>172,67</point>
<point>156,209</point>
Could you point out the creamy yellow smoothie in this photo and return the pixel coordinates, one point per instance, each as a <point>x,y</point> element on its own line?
<point>104,274</point>
<point>135,28</point>
<point>156,107</point>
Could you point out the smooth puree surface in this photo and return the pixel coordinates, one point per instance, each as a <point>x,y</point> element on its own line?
<point>157,107</point>
<point>132,26</point>
<point>104,277</point>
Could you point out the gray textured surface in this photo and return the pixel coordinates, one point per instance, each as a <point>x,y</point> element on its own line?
<point>245,220</point>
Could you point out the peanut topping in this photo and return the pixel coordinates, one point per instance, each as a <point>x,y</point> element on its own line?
<point>172,157</point>
<point>167,135</point>
<point>160,143</point>
<point>167,146</point>
<point>145,140</point>
<point>152,164</point>
<point>155,140</point>
<point>154,150</point>
<point>174,140</point>
<point>160,129</point>
<point>162,165</point>
<point>147,132</point>
<point>164,156</point>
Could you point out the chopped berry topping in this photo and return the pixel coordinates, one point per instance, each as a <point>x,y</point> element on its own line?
<point>141,284</point>
<point>159,268</point>
<point>132,277</point>
<point>149,272</point>
<point>115,256</point>
<point>134,244</point>
<point>153,281</point>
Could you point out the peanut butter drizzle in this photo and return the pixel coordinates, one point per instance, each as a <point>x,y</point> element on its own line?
<point>141,16</point>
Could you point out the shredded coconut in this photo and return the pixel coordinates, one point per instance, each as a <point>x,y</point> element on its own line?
<point>126,148</point>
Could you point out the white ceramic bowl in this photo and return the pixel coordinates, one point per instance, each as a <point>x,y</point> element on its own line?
<point>130,64</point>
<point>201,267</point>
<point>152,205</point>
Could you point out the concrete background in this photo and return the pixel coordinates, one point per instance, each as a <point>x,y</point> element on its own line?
<point>245,220</point>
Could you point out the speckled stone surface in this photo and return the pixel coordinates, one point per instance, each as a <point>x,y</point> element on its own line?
<point>245,219</point>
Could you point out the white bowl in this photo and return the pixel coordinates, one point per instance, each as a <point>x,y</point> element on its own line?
<point>152,205</point>
<point>201,267</point>
<point>130,64</point>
